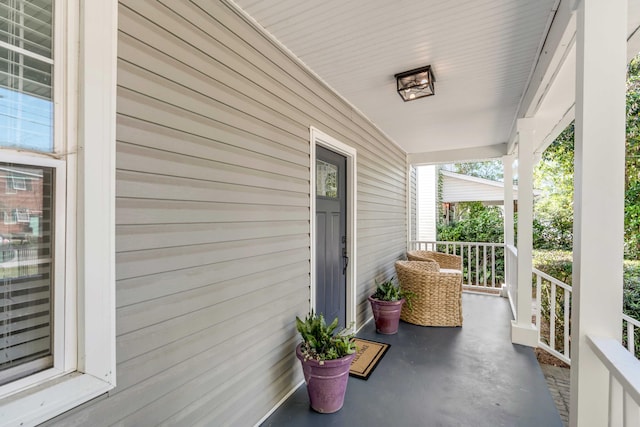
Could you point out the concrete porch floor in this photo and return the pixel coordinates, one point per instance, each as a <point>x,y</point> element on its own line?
<point>469,376</point>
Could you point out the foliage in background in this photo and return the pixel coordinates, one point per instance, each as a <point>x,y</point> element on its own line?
<point>491,169</point>
<point>559,264</point>
<point>632,159</point>
<point>476,223</point>
<point>555,263</point>
<point>553,176</point>
<point>553,207</point>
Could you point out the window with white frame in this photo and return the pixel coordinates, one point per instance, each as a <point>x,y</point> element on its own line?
<point>18,183</point>
<point>57,317</point>
<point>27,283</point>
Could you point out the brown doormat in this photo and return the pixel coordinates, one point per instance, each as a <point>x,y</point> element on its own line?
<point>368,354</point>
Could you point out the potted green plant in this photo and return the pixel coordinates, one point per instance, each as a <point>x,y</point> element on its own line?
<point>326,358</point>
<point>386,304</point>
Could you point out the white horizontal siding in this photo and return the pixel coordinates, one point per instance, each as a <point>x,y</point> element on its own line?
<point>213,245</point>
<point>427,196</point>
<point>461,190</point>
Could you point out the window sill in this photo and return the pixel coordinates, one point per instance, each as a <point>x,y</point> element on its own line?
<point>43,402</point>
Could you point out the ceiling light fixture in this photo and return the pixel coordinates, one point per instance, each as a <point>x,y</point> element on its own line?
<point>414,84</point>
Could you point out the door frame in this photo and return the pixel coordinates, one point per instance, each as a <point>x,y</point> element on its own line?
<point>317,137</point>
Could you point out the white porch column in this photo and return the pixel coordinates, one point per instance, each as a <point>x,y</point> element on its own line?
<point>507,165</point>
<point>509,286</point>
<point>598,201</point>
<point>522,330</point>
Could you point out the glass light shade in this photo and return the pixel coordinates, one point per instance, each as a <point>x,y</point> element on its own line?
<point>415,84</point>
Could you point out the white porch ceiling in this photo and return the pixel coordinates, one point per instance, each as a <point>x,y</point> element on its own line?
<point>482,53</point>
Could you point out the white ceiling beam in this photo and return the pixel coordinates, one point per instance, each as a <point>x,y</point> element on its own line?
<point>460,155</point>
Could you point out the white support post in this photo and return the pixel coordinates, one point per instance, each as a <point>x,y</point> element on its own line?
<point>522,329</point>
<point>507,165</point>
<point>598,201</point>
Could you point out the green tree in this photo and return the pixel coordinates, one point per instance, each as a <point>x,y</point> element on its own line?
<point>632,160</point>
<point>553,207</point>
<point>491,169</point>
<point>476,223</point>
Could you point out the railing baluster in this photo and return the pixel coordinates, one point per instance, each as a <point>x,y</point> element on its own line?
<point>631,338</point>
<point>484,265</point>
<point>552,316</point>
<point>477,265</point>
<point>469,272</point>
<point>567,318</point>
<point>616,399</point>
<point>493,266</point>
<point>538,304</point>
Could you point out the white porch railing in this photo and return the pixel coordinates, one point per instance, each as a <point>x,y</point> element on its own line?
<point>553,315</point>
<point>511,277</point>
<point>624,381</point>
<point>632,327</point>
<point>490,265</point>
<point>482,262</point>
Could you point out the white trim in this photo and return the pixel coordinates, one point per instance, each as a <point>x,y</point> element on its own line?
<point>318,137</point>
<point>43,404</point>
<point>96,195</point>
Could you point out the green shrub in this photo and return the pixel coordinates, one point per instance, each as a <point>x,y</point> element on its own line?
<point>476,223</point>
<point>559,264</point>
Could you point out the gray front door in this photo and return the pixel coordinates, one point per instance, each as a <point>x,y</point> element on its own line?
<point>331,256</point>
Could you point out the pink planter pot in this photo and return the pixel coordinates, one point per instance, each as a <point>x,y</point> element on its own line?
<point>326,381</point>
<point>386,315</point>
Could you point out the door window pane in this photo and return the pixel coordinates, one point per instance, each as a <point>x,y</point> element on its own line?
<point>25,270</point>
<point>326,179</point>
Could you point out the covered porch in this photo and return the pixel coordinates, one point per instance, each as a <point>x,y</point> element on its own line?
<point>464,376</point>
<point>202,118</point>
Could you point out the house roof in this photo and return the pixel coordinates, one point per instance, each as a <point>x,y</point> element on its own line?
<point>458,187</point>
<point>495,62</point>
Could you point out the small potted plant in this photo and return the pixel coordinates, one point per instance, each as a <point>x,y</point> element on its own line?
<point>386,304</point>
<point>326,358</point>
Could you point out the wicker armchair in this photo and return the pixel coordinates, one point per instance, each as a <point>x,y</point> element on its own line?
<point>438,295</point>
<point>448,261</point>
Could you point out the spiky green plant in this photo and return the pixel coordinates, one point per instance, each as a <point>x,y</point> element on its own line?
<point>319,340</point>
<point>389,291</point>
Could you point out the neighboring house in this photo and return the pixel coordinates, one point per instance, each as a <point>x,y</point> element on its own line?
<point>457,188</point>
<point>184,145</point>
<point>454,189</point>
<point>21,202</point>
